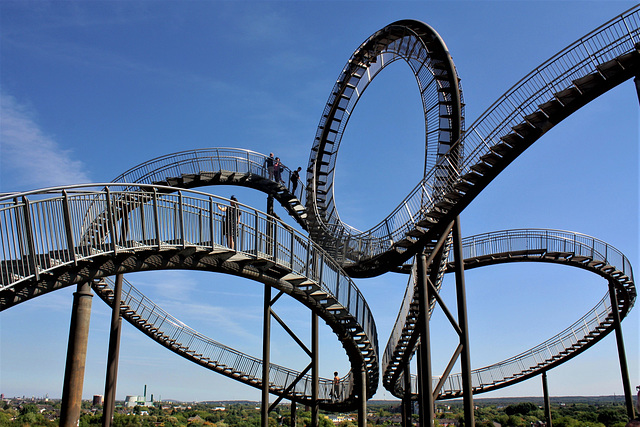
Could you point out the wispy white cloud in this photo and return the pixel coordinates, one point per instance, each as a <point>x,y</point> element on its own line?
<point>29,158</point>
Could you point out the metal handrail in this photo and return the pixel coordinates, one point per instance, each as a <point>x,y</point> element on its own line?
<point>536,244</point>
<point>615,38</point>
<point>45,234</point>
<point>206,160</point>
<point>569,340</point>
<point>545,239</point>
<point>168,328</point>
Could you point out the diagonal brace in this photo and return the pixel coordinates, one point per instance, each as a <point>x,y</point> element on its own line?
<point>291,386</point>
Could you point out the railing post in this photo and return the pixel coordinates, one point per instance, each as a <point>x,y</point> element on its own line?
<point>292,248</point>
<point>211,223</point>
<point>256,234</point>
<point>181,218</point>
<point>143,222</point>
<point>29,234</point>
<point>156,217</point>
<point>111,220</point>
<point>68,227</point>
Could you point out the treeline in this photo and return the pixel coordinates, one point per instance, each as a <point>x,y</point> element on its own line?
<point>520,414</point>
<point>527,414</point>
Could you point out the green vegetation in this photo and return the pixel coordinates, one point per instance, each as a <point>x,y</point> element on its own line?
<point>585,413</point>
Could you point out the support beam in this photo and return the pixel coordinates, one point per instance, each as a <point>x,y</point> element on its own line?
<point>293,413</point>
<point>426,391</point>
<point>465,359</point>
<point>622,357</point>
<point>266,352</point>
<point>406,398</point>
<point>76,356</point>
<point>315,370</point>
<point>421,408</point>
<point>636,80</point>
<point>547,400</point>
<point>362,408</point>
<point>112,358</point>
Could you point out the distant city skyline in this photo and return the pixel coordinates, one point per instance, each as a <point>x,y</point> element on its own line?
<point>91,89</point>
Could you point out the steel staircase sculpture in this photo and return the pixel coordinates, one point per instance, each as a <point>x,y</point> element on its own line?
<point>527,245</point>
<point>148,220</point>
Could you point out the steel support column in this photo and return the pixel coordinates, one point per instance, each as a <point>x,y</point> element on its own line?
<point>362,408</point>
<point>406,398</point>
<point>426,389</point>
<point>76,356</point>
<point>112,357</point>
<point>547,401</point>
<point>465,357</point>
<point>266,352</point>
<point>293,413</point>
<point>626,384</point>
<point>421,409</point>
<point>315,370</point>
<point>636,80</point>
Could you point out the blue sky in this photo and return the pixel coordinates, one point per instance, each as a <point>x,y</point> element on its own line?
<point>91,89</point>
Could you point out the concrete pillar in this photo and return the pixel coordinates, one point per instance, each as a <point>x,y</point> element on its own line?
<point>76,356</point>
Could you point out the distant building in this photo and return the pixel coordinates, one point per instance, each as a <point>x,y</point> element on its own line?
<point>132,401</point>
<point>98,400</point>
<point>336,419</point>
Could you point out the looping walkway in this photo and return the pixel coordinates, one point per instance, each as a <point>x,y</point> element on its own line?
<point>170,332</point>
<point>74,235</point>
<point>526,245</point>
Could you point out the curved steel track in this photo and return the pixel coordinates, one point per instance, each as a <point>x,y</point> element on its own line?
<point>108,232</point>
<point>55,238</point>
<point>529,245</point>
